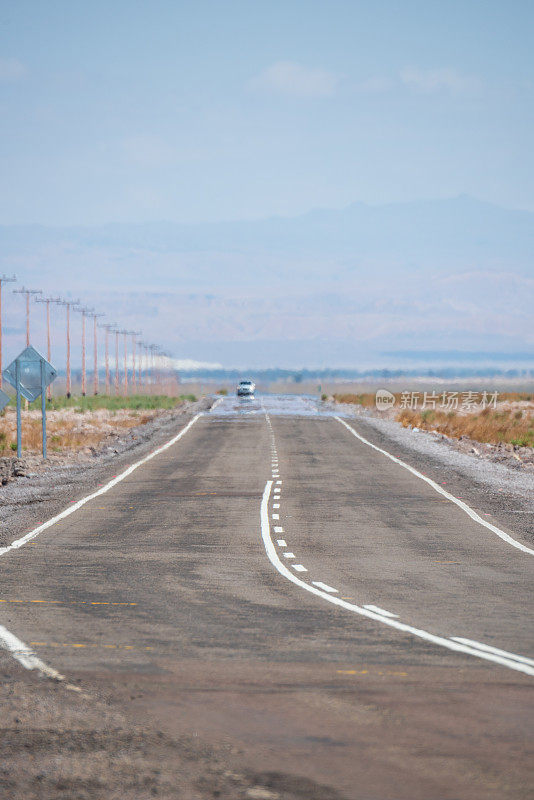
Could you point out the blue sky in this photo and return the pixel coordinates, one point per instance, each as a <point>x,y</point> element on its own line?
<point>194,111</point>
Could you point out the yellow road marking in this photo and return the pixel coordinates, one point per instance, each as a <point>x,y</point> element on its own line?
<point>367,672</point>
<point>89,644</point>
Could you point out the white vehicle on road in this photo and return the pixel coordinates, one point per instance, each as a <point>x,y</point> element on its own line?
<point>245,389</point>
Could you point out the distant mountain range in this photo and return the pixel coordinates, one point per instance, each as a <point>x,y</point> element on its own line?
<point>329,288</point>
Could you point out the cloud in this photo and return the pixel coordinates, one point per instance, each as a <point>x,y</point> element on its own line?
<point>11,69</point>
<point>290,78</point>
<point>444,79</point>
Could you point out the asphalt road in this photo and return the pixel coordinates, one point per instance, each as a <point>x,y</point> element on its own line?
<point>270,609</point>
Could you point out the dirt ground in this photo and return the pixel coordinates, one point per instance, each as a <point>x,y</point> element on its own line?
<point>70,433</point>
<point>511,455</point>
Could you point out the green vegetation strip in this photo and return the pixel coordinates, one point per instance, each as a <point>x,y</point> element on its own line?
<point>134,402</point>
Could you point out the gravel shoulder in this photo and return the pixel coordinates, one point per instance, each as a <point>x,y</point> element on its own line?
<point>48,487</point>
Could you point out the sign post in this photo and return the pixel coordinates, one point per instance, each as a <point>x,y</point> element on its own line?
<point>43,406</point>
<point>30,374</point>
<point>19,421</point>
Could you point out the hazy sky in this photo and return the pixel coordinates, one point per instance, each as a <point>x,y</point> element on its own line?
<point>190,111</point>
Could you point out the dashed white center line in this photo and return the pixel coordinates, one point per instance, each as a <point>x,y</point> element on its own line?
<point>276,516</point>
<point>379,610</point>
<point>281,543</point>
<point>458,644</point>
<point>278,529</point>
<point>276,505</point>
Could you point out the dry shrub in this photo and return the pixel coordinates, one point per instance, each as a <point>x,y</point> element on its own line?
<point>365,399</point>
<point>489,425</point>
<point>67,429</point>
<point>368,398</point>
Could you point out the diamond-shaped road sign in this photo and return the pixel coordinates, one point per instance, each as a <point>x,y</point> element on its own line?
<point>4,399</point>
<point>30,379</point>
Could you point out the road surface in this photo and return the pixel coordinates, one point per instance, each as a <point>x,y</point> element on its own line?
<point>270,607</point>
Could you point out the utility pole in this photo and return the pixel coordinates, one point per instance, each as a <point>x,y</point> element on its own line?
<point>95,353</point>
<point>125,384</point>
<point>48,300</point>
<point>155,377</point>
<point>108,328</point>
<point>68,304</point>
<point>134,373</point>
<point>162,371</point>
<point>84,312</point>
<point>3,279</point>
<point>140,366</point>
<point>145,365</point>
<point>27,292</point>
<point>149,366</point>
<point>117,361</point>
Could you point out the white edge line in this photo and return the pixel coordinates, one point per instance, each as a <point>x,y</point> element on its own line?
<point>8,641</point>
<point>468,510</point>
<point>392,623</point>
<point>488,648</point>
<point>26,656</point>
<point>325,586</point>
<point>379,610</point>
<point>75,506</point>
